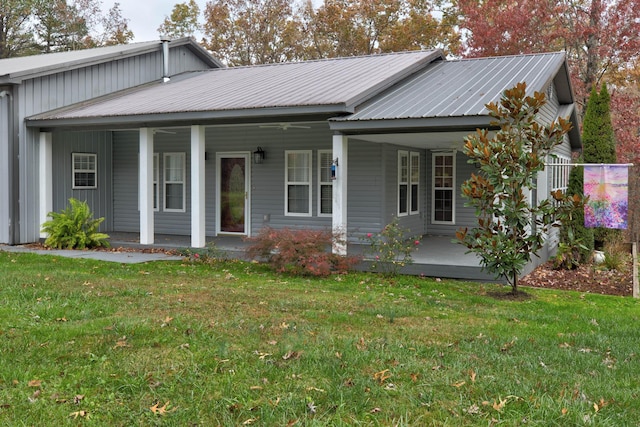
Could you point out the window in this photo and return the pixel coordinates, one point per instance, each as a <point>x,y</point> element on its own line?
<point>325,183</point>
<point>156,180</point>
<point>298,183</point>
<point>414,181</point>
<point>174,182</point>
<point>84,171</point>
<point>403,182</point>
<point>443,188</point>
<point>408,182</point>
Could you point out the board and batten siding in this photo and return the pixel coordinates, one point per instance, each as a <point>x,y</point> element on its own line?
<point>68,87</point>
<point>5,169</point>
<point>98,199</point>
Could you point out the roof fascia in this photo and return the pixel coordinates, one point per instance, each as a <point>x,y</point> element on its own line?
<point>411,125</point>
<point>194,117</point>
<point>397,77</point>
<point>148,47</point>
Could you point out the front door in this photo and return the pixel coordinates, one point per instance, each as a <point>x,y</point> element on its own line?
<point>233,193</point>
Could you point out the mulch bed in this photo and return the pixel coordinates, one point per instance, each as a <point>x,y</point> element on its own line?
<point>586,278</point>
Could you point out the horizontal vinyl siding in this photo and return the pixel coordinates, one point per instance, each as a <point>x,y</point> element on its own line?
<point>126,182</point>
<point>99,199</point>
<point>367,189</point>
<point>126,216</point>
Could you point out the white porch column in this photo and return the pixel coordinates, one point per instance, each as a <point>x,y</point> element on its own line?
<point>145,189</point>
<point>45,185</point>
<point>339,216</point>
<point>198,211</point>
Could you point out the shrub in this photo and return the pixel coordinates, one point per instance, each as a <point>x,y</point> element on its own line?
<point>391,249</point>
<point>510,229</point>
<point>616,254</point>
<point>74,228</point>
<point>208,254</point>
<point>300,252</point>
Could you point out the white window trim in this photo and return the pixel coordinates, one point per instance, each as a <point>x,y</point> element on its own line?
<point>287,183</point>
<point>414,155</point>
<point>74,170</point>
<point>183,182</point>
<point>434,188</point>
<point>322,183</point>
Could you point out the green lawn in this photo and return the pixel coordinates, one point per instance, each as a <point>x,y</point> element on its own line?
<point>168,343</point>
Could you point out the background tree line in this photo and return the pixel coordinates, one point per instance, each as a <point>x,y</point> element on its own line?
<point>29,27</point>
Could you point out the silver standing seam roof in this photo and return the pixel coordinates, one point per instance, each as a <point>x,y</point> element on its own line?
<point>329,86</point>
<point>454,93</point>
<point>459,88</point>
<point>14,70</point>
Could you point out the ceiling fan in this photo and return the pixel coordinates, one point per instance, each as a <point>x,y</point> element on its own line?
<point>155,131</point>
<point>285,126</point>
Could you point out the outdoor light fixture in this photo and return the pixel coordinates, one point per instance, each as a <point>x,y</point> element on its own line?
<point>258,156</point>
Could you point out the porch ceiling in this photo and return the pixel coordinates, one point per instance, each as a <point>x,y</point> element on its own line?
<point>423,140</point>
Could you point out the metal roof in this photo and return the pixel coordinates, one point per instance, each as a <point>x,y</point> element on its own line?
<point>460,88</point>
<point>327,86</point>
<point>13,70</point>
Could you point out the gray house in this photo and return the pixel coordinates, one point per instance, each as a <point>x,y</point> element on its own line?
<point>209,151</point>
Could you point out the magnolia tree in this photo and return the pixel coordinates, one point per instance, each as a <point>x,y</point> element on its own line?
<point>510,228</point>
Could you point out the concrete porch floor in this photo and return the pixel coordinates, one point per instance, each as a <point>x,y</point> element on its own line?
<point>437,256</point>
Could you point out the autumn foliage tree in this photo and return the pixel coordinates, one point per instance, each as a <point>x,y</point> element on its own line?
<point>510,229</point>
<point>183,21</point>
<point>601,38</point>
<point>346,28</point>
<point>249,32</point>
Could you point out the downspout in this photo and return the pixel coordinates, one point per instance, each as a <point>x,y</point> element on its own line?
<point>165,60</point>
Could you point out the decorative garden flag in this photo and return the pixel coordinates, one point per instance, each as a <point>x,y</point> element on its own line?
<point>607,187</point>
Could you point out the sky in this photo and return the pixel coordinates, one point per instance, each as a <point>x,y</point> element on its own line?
<point>146,16</point>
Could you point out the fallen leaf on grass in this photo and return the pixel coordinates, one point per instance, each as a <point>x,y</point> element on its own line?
<point>33,383</point>
<point>507,346</point>
<point>291,423</point>
<point>291,355</point>
<point>78,398</point>
<point>35,396</point>
<point>375,410</point>
<point>316,389</point>
<point>61,319</point>
<point>414,377</point>
<point>564,411</point>
<point>459,384</point>
<point>498,406</point>
<point>82,414</point>
<point>472,374</point>
<point>122,342</point>
<point>250,421</point>
<point>161,410</point>
<point>382,376</point>
<point>262,355</point>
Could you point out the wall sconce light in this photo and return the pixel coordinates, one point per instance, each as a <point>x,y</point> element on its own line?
<point>258,156</point>
<point>334,168</point>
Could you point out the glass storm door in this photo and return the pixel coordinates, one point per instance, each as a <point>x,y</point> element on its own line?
<point>233,193</point>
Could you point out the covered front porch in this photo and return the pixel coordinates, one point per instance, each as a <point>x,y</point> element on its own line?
<point>437,256</point>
